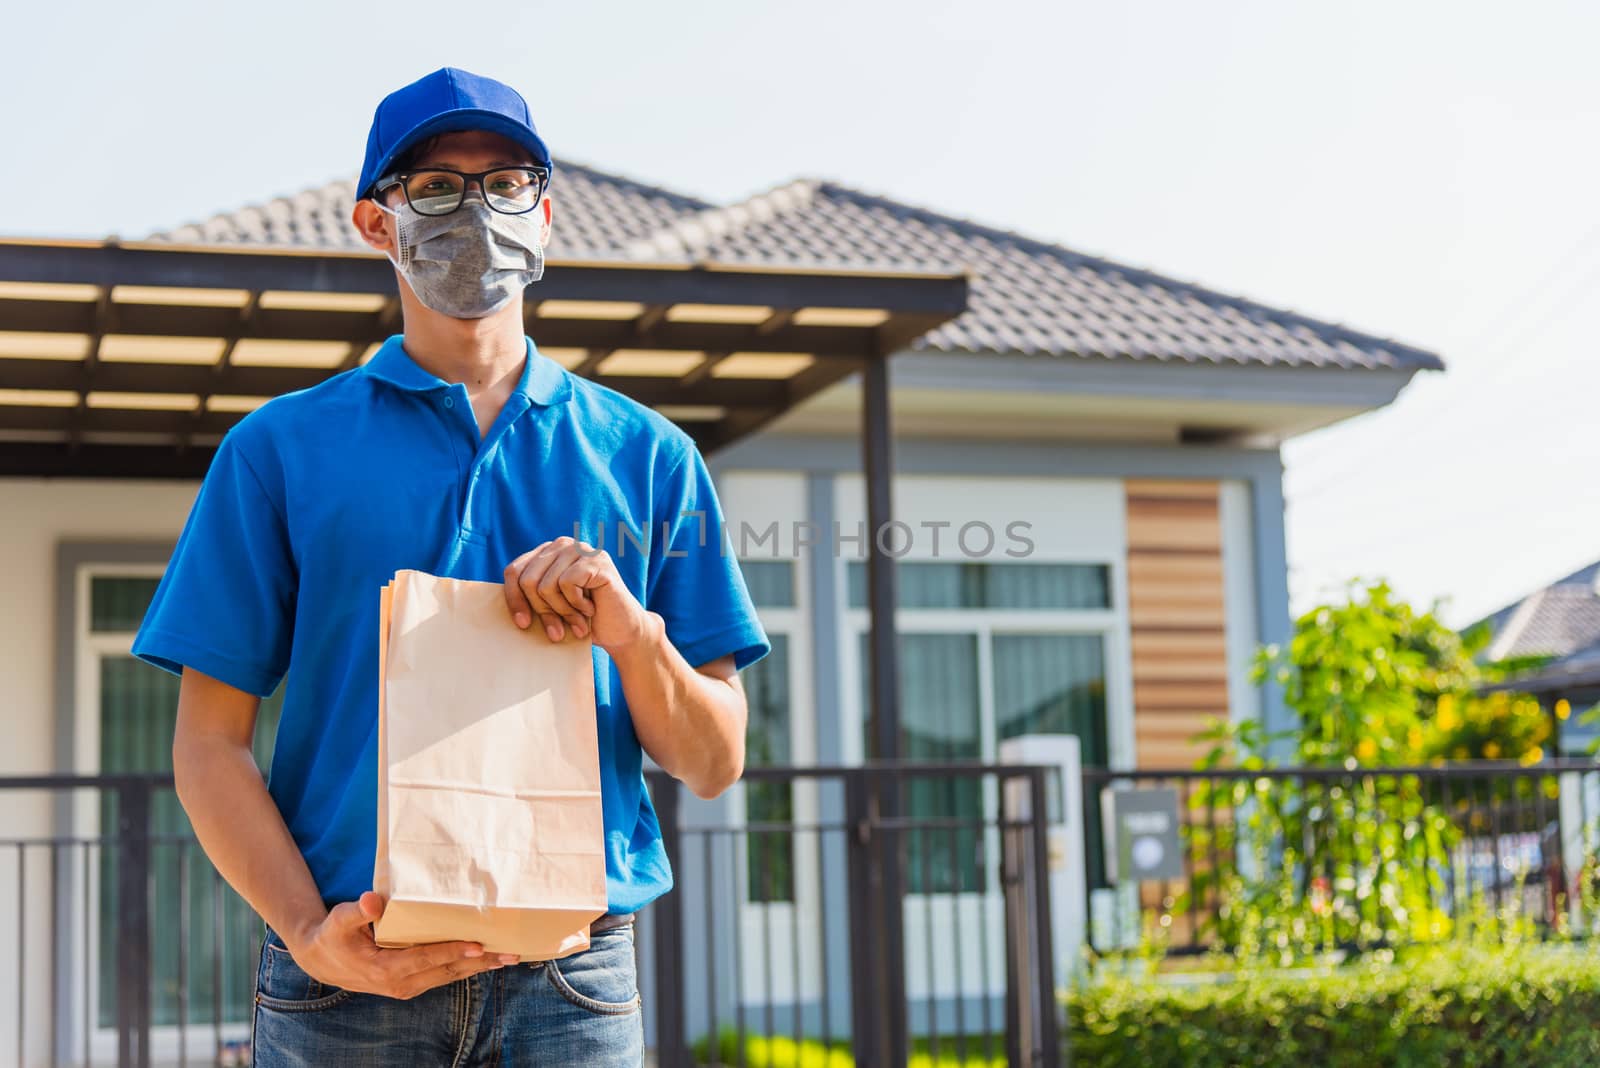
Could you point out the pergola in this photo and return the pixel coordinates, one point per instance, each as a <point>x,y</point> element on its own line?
<point>136,358</point>
<point>131,360</point>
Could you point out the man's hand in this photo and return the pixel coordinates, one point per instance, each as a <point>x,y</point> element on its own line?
<point>689,718</point>
<point>567,583</point>
<point>340,951</point>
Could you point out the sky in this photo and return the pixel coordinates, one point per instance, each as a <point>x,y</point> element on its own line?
<point>1423,170</point>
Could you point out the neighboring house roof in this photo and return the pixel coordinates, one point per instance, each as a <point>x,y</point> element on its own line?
<point>1558,620</point>
<point>1027,296</point>
<point>1568,675</point>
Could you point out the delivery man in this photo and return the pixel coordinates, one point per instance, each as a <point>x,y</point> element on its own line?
<point>457,450</point>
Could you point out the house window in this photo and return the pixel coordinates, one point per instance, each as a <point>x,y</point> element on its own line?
<point>136,717</point>
<point>940,720</point>
<point>119,604</point>
<point>988,651</point>
<point>973,584</point>
<point>769,735</point>
<point>771,582</point>
<point>1052,684</point>
<point>770,858</point>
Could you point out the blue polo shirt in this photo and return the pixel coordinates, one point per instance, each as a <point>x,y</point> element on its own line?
<point>317,498</point>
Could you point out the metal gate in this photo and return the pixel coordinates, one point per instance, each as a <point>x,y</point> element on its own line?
<point>880,910</point>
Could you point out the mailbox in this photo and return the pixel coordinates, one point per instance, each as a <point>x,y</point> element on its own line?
<point>1142,834</point>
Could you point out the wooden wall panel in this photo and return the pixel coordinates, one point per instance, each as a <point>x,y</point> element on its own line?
<point>1178,617</point>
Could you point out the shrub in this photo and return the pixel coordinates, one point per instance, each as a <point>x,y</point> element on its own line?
<point>1459,1006</point>
<point>779,1051</point>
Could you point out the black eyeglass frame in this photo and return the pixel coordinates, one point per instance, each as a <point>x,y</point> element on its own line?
<point>398,178</point>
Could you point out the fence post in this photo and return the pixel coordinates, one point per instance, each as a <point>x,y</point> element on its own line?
<point>890,879</point>
<point>666,921</point>
<point>133,923</point>
<point>1050,1017</point>
<point>866,1017</point>
<point>1033,1016</point>
<point>1013,890</point>
<point>877,961</point>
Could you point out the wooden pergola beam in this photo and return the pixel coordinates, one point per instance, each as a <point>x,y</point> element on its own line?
<point>153,264</point>
<point>363,328</point>
<point>221,295</point>
<point>269,381</point>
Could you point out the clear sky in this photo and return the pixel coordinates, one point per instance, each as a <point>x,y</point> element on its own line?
<point>1421,170</point>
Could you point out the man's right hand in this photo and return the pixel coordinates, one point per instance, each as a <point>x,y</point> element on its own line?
<point>340,951</point>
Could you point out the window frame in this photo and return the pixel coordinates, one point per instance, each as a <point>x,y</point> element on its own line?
<point>1109,624</point>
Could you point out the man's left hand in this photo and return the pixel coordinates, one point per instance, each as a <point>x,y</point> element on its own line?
<point>566,583</point>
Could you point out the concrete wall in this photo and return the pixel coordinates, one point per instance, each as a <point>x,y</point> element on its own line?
<point>36,516</point>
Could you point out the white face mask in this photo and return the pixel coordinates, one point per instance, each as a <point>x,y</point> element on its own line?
<point>470,263</point>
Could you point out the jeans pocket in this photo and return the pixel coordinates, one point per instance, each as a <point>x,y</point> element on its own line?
<point>603,978</point>
<point>282,985</point>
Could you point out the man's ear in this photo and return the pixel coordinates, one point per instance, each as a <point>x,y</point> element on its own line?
<point>544,228</point>
<point>373,224</point>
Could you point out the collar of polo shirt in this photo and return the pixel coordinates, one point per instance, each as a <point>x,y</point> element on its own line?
<point>543,381</point>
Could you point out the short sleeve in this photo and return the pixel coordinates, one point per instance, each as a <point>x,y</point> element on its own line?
<point>225,606</point>
<point>695,584</point>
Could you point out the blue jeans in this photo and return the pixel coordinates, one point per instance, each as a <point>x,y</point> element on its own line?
<point>580,1010</point>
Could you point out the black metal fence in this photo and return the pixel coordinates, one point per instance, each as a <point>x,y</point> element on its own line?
<point>1304,860</point>
<point>129,948</point>
<point>880,911</point>
<point>871,911</point>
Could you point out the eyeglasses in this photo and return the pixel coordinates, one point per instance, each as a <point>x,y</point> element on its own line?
<point>508,190</point>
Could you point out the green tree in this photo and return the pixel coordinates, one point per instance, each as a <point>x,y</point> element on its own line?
<point>1355,859</point>
<point>1374,681</point>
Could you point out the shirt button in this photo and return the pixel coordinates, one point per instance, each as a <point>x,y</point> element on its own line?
<point>449,402</point>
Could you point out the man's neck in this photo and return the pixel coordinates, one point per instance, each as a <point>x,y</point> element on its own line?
<point>486,355</point>
<point>477,352</point>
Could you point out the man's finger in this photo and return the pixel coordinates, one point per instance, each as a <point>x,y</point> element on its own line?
<point>577,580</point>
<point>449,972</point>
<point>350,916</point>
<point>372,905</point>
<point>516,601</point>
<point>529,566</point>
<point>546,613</point>
<point>401,964</point>
<point>554,588</point>
<point>533,586</point>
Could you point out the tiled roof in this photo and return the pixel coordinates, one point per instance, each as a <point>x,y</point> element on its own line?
<point>600,214</point>
<point>1565,675</point>
<point>1027,296</point>
<point>1558,620</point>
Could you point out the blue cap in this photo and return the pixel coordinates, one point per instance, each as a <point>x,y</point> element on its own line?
<point>445,101</point>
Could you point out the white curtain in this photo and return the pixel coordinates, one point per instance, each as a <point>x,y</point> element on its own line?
<point>1052,684</point>
<point>991,584</point>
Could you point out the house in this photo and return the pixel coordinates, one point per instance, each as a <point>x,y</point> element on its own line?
<point>1560,625</point>
<point>1086,471</point>
<point>1553,621</point>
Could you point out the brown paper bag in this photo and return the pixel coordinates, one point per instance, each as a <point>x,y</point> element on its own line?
<point>489,820</point>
